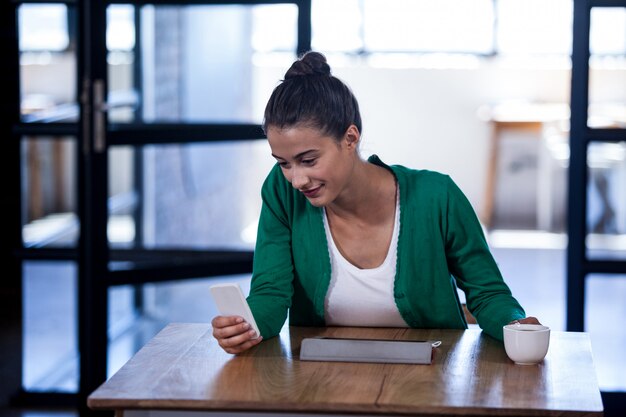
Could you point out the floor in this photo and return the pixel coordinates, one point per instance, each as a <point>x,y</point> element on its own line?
<point>533,266</point>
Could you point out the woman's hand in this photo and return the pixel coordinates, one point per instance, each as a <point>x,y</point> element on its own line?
<point>526,320</point>
<point>233,334</point>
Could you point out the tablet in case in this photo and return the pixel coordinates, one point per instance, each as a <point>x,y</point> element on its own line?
<point>364,350</point>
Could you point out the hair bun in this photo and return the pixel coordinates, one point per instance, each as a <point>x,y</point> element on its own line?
<point>311,63</point>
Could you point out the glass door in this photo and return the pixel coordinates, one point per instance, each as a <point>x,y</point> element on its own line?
<point>174,164</point>
<point>138,159</point>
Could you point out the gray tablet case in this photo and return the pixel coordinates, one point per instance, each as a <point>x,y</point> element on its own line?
<point>363,350</point>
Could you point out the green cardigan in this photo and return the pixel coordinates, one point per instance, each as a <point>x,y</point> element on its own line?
<point>441,246</point>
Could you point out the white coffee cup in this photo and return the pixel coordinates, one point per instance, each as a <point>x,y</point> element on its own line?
<point>526,344</point>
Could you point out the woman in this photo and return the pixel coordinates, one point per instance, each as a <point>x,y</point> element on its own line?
<point>351,242</point>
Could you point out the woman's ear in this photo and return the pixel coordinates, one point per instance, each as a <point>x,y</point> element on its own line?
<point>352,137</point>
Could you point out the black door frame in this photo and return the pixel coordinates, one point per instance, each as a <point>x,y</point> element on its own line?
<point>579,266</point>
<point>98,269</point>
<point>11,285</point>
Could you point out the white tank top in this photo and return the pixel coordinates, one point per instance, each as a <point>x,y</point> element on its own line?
<point>362,297</point>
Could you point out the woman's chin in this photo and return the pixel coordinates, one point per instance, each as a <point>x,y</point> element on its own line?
<point>316,202</point>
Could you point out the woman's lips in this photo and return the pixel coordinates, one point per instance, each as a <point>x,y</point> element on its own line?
<point>311,193</point>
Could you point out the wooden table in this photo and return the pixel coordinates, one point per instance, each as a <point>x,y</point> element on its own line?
<point>183,368</point>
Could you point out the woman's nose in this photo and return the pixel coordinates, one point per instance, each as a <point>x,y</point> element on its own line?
<point>299,179</point>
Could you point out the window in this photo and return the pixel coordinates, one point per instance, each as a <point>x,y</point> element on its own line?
<point>482,27</point>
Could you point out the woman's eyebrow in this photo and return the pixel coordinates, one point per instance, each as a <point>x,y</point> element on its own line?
<point>298,156</point>
<point>301,154</point>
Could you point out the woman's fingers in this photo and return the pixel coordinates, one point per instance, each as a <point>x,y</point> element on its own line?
<point>228,328</point>
<point>529,320</point>
<point>244,346</point>
<point>236,340</point>
<point>225,321</point>
<point>233,334</point>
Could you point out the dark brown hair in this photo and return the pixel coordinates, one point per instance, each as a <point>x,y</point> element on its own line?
<point>310,96</point>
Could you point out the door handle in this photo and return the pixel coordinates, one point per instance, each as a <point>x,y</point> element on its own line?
<point>100,108</point>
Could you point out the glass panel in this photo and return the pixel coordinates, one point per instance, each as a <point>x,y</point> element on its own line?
<point>534,27</point>
<point>120,27</point>
<point>138,313</point>
<point>50,358</point>
<point>123,197</point>
<point>49,192</point>
<point>605,306</point>
<point>607,82</point>
<point>442,26</point>
<point>197,63</point>
<point>606,201</point>
<point>195,196</point>
<point>122,99</point>
<point>124,332</point>
<point>607,34</point>
<point>43,27</point>
<point>47,63</point>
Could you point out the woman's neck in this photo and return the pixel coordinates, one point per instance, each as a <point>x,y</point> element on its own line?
<point>370,191</point>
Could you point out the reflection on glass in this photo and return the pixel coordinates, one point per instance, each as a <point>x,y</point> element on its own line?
<point>606,200</point>
<point>49,192</point>
<point>196,61</point>
<point>50,346</point>
<point>47,64</point>
<point>195,196</point>
<point>605,295</point>
<point>138,313</point>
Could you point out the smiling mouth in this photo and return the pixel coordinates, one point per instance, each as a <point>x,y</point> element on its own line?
<point>312,192</point>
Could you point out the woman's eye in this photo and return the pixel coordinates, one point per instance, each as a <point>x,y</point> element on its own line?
<point>308,161</point>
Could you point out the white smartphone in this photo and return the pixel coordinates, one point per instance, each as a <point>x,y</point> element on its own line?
<point>230,301</point>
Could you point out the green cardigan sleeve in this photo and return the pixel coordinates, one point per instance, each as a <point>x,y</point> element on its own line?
<point>470,261</point>
<point>271,288</point>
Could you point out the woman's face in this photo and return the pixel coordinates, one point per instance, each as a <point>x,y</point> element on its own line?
<point>316,165</point>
